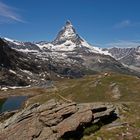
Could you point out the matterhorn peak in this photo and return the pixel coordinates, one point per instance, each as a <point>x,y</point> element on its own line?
<point>66,33</point>
<point>67,39</point>
<point>68,28</point>
<point>68,23</point>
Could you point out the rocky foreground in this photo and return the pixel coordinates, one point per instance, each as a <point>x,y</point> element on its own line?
<point>52,120</point>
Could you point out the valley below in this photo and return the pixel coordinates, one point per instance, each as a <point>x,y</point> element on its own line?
<point>116,91</point>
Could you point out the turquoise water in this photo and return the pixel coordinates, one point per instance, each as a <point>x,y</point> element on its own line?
<point>12,103</point>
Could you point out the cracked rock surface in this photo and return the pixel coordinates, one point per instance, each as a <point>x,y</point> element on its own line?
<point>50,121</point>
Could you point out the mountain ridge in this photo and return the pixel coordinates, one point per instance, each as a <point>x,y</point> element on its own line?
<point>68,55</point>
<point>127,56</point>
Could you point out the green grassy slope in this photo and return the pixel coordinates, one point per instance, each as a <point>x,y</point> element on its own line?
<point>101,88</point>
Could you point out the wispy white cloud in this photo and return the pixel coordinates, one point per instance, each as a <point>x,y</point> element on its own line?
<point>9,14</point>
<point>126,23</point>
<point>123,44</point>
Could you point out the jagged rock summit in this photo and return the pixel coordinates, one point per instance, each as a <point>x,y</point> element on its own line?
<point>67,33</point>
<point>69,40</point>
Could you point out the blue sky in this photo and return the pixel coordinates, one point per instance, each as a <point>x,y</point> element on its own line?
<point>100,22</point>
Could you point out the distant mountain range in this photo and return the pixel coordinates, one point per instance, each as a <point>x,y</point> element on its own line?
<point>69,55</point>
<point>127,56</point>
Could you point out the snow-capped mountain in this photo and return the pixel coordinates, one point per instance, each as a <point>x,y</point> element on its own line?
<point>20,69</point>
<point>69,55</point>
<point>21,46</point>
<point>67,33</point>
<point>68,40</point>
<point>127,56</point>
